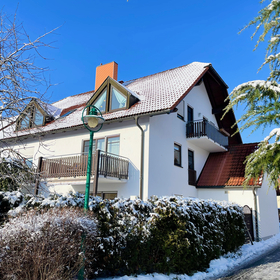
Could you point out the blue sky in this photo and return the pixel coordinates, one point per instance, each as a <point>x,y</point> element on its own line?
<point>143,37</point>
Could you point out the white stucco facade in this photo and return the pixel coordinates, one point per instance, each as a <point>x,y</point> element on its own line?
<point>161,177</point>
<point>263,202</point>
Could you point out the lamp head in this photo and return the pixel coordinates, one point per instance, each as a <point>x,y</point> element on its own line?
<point>93,120</point>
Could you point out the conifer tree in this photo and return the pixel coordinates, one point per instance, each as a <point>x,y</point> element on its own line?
<point>262,98</point>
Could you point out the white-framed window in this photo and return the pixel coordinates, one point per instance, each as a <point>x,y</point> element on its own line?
<point>109,144</point>
<point>177,155</point>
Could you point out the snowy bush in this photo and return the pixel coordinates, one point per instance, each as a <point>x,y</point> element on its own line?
<point>45,245</point>
<point>9,200</point>
<point>165,235</point>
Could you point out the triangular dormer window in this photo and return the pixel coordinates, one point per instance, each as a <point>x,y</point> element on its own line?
<point>36,114</point>
<point>112,96</point>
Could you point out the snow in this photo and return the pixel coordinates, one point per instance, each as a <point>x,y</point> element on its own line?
<point>258,83</point>
<point>275,131</point>
<point>274,39</point>
<point>156,92</point>
<point>134,210</point>
<point>219,267</point>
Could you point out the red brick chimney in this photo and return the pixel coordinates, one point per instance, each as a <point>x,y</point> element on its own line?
<point>103,71</point>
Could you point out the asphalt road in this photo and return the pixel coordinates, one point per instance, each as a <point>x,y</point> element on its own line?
<point>265,268</point>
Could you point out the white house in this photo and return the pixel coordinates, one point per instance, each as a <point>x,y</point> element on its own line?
<point>160,133</point>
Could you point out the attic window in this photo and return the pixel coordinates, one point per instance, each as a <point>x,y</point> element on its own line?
<point>118,100</point>
<point>100,103</point>
<point>31,117</point>
<point>67,113</point>
<point>112,96</point>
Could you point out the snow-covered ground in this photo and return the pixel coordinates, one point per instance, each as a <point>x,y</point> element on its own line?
<point>221,266</point>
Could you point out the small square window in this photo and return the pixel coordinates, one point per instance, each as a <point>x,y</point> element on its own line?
<point>177,155</point>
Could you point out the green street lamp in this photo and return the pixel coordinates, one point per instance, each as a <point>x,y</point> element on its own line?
<point>92,121</point>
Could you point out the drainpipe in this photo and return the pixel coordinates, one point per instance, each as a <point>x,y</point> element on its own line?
<point>168,111</point>
<point>142,159</point>
<point>256,214</point>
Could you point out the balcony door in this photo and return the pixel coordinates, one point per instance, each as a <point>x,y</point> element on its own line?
<point>190,128</point>
<point>192,172</point>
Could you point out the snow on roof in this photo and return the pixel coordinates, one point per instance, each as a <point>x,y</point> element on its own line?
<point>50,109</point>
<point>155,92</point>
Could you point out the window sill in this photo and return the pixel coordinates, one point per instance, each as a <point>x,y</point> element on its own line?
<point>178,165</point>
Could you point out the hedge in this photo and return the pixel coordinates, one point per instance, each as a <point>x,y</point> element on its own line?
<point>164,235</point>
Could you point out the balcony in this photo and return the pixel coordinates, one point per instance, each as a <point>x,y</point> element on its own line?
<point>75,166</point>
<point>206,136</point>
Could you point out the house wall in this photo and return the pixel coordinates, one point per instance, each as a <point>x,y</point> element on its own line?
<point>268,210</point>
<point>266,204</point>
<point>160,175</point>
<point>71,142</point>
<point>165,178</point>
<point>198,99</point>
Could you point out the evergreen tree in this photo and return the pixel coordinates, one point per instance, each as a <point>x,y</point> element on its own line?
<point>262,99</point>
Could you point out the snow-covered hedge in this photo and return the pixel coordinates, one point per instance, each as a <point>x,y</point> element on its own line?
<point>9,200</point>
<point>166,235</point>
<point>45,244</point>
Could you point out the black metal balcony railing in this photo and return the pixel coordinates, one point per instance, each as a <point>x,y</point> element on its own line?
<point>76,165</point>
<point>200,128</point>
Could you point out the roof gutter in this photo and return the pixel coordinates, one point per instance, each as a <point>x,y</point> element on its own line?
<point>141,182</point>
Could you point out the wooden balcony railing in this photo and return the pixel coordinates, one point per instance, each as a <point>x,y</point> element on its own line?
<point>197,129</point>
<point>76,165</point>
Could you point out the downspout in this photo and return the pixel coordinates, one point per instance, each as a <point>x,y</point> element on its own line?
<point>141,160</point>
<point>256,214</point>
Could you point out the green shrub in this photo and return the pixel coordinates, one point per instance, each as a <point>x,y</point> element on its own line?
<point>164,235</point>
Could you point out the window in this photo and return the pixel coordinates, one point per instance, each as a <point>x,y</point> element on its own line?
<point>113,96</point>
<point>100,103</point>
<point>118,100</point>
<point>190,114</point>
<point>107,195</point>
<point>108,144</point>
<point>67,113</point>
<point>190,128</point>
<point>31,117</point>
<point>38,117</point>
<point>181,109</point>
<point>177,155</point>
<point>191,159</point>
<point>113,145</point>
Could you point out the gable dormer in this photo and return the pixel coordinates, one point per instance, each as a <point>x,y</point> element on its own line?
<point>36,114</point>
<point>112,96</point>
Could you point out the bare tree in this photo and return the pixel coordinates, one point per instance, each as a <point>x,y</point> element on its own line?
<point>20,78</point>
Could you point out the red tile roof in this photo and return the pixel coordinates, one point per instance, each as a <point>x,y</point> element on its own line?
<point>157,92</point>
<point>227,168</point>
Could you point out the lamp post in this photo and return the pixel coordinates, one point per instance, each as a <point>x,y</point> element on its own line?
<point>92,121</point>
